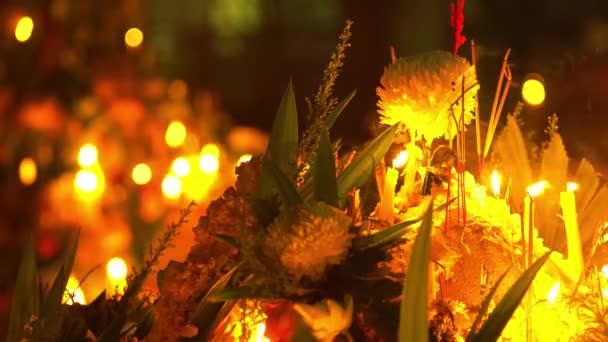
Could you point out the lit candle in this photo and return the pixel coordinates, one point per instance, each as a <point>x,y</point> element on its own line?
<point>575,254</point>
<point>495,180</point>
<point>531,192</point>
<point>388,194</point>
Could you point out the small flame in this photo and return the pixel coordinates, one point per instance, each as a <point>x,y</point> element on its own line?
<point>552,296</point>
<point>537,188</point>
<point>400,160</point>
<point>605,270</point>
<point>572,186</point>
<point>495,183</point>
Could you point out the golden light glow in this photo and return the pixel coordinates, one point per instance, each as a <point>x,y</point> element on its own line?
<point>533,91</point>
<point>400,160</point>
<point>572,186</point>
<point>181,167</point>
<point>244,159</point>
<point>605,293</point>
<point>27,171</point>
<point>87,155</point>
<point>258,335</point>
<point>134,37</point>
<point>495,180</point>
<point>176,134</point>
<point>86,181</point>
<point>537,188</point>
<point>73,293</point>
<point>116,268</point>
<point>209,161</point>
<point>141,174</point>
<point>172,187</point>
<point>605,270</point>
<point>553,293</point>
<point>24,28</point>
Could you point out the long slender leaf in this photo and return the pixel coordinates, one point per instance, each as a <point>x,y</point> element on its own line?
<point>413,318</point>
<point>55,296</point>
<point>283,144</point>
<point>287,190</point>
<point>227,239</point>
<point>485,305</point>
<point>331,118</point>
<point>362,167</point>
<point>325,183</point>
<point>206,310</point>
<point>114,330</point>
<point>26,301</point>
<point>501,315</point>
<point>391,233</point>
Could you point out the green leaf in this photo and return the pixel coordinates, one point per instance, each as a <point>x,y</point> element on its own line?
<point>333,116</point>
<point>227,239</point>
<point>113,331</point>
<point>283,144</point>
<point>206,311</point>
<point>326,187</point>
<point>235,293</point>
<point>362,167</point>
<point>287,190</point>
<point>413,318</point>
<point>501,315</point>
<point>145,326</point>
<point>485,305</point>
<point>386,235</point>
<point>26,301</point>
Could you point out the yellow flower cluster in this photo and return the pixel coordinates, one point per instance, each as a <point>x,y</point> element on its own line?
<point>423,91</point>
<point>308,239</point>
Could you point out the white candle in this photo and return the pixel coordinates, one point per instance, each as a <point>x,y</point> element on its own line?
<point>385,211</point>
<point>575,254</point>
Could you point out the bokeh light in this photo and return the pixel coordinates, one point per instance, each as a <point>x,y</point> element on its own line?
<point>495,180</point>
<point>244,159</point>
<point>24,28</point>
<point>86,181</point>
<point>116,268</point>
<point>73,293</point>
<point>141,174</point>
<point>134,37</point>
<point>176,134</point>
<point>400,160</point>
<point>171,187</point>
<point>27,171</point>
<point>533,91</point>
<point>87,155</point>
<point>181,167</point>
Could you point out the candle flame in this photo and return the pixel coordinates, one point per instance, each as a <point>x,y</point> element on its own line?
<point>495,183</point>
<point>537,188</point>
<point>552,295</point>
<point>400,160</point>
<point>572,186</point>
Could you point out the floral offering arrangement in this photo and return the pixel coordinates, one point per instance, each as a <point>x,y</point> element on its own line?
<point>315,243</point>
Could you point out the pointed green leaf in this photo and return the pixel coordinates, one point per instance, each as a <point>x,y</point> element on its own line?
<point>51,312</point>
<point>229,240</point>
<point>25,298</point>
<point>287,191</point>
<point>485,305</point>
<point>326,187</point>
<point>235,293</point>
<point>386,235</point>
<point>145,326</point>
<point>333,116</point>
<point>283,144</point>
<point>413,318</point>
<point>501,315</point>
<point>362,167</point>
<point>206,310</point>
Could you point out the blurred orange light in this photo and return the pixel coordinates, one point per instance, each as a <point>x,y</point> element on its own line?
<point>27,171</point>
<point>495,180</point>
<point>176,134</point>
<point>87,155</point>
<point>181,167</point>
<point>172,187</point>
<point>533,91</point>
<point>24,28</point>
<point>86,181</point>
<point>400,160</point>
<point>73,293</point>
<point>141,174</point>
<point>134,37</point>
<point>572,186</point>
<point>537,188</point>
<point>116,268</point>
<point>244,159</point>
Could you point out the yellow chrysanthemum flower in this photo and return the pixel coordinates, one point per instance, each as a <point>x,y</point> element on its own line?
<point>309,238</point>
<point>420,92</point>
